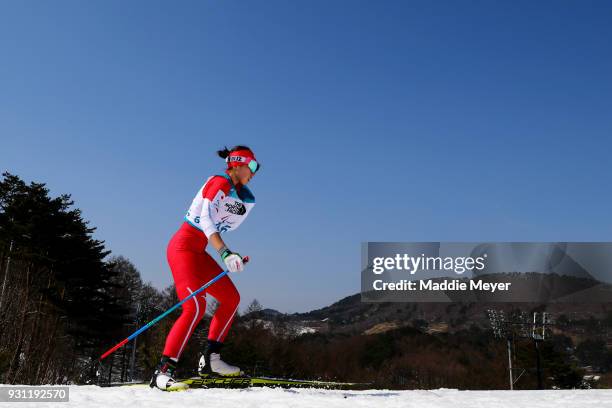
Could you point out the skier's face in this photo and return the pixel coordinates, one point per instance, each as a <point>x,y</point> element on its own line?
<point>244,174</point>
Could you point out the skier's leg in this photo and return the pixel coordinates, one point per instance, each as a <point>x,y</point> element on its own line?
<point>228,297</point>
<point>183,328</point>
<point>186,266</point>
<point>187,272</point>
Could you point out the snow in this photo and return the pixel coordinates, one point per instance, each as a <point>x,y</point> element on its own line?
<point>143,396</point>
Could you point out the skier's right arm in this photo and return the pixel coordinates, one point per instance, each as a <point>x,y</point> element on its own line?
<point>232,260</point>
<point>212,192</point>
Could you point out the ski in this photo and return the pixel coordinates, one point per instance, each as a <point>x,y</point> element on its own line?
<point>247,382</point>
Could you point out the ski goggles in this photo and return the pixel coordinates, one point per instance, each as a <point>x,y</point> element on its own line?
<point>233,161</point>
<point>253,166</point>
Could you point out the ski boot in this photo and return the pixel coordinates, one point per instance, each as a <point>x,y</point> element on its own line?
<point>212,365</point>
<point>163,377</point>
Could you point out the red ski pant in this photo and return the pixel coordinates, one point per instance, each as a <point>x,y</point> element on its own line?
<point>191,268</point>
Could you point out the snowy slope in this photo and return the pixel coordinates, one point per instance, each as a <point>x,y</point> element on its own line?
<point>143,396</point>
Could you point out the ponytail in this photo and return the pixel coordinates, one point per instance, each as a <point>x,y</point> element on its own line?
<point>224,153</point>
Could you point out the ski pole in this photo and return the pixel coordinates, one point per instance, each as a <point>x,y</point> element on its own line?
<point>166,313</point>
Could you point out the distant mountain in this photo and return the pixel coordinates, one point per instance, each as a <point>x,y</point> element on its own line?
<point>352,316</point>
<point>270,312</point>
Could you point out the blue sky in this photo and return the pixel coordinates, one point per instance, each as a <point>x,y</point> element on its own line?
<point>374,121</point>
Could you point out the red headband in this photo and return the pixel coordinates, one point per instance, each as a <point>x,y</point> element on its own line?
<point>239,158</point>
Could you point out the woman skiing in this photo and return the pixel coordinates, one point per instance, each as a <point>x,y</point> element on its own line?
<point>220,205</point>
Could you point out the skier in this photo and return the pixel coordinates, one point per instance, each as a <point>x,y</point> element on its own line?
<point>223,202</point>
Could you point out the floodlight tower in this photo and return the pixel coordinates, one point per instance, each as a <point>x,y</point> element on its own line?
<point>521,325</point>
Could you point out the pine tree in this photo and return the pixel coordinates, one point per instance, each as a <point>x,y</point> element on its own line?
<point>58,304</point>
